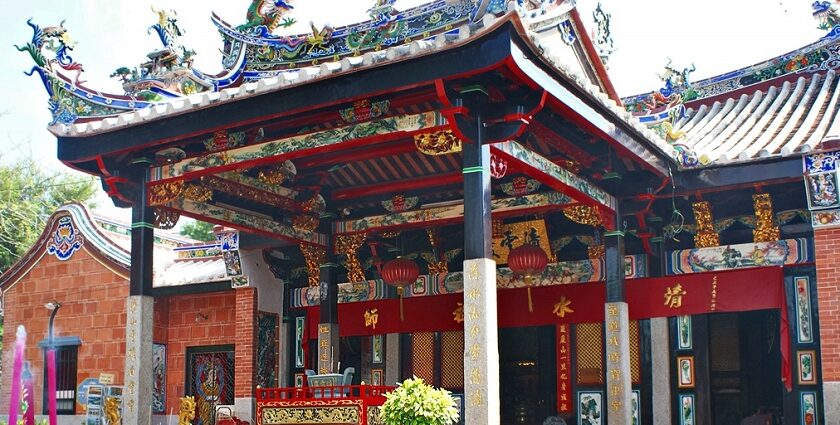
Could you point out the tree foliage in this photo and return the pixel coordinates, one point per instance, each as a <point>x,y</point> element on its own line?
<point>198,230</point>
<point>28,196</point>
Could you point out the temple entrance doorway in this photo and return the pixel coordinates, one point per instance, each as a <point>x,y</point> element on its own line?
<point>528,376</point>
<point>744,373</point>
<point>210,379</point>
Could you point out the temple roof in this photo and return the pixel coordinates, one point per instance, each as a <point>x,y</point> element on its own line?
<point>782,119</point>
<point>781,107</point>
<point>550,28</point>
<point>177,260</point>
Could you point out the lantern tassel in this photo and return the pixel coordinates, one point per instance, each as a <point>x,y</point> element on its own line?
<point>530,301</point>
<point>400,293</point>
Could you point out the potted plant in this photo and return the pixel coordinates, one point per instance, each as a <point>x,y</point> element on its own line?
<point>415,403</point>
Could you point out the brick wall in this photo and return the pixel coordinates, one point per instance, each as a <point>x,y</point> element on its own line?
<point>93,309</point>
<point>827,245</point>
<point>193,320</point>
<point>246,338</point>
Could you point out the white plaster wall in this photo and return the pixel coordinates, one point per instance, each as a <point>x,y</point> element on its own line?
<point>269,288</point>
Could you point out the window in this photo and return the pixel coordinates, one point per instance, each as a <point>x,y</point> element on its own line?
<point>65,380</point>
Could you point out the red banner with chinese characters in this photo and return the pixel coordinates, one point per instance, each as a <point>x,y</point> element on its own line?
<point>749,289</point>
<point>564,370</point>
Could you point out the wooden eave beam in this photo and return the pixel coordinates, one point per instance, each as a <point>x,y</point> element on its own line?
<point>298,146</point>
<point>556,177</point>
<point>536,203</point>
<point>571,101</point>
<point>241,220</point>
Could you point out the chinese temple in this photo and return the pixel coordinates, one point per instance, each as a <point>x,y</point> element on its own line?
<point>455,191</point>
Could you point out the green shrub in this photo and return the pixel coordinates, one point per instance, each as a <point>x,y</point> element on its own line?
<point>415,403</point>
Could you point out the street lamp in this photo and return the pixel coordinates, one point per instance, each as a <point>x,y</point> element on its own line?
<point>53,306</point>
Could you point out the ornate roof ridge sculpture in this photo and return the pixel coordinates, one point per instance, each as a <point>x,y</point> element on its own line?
<point>673,110</point>
<point>79,111</point>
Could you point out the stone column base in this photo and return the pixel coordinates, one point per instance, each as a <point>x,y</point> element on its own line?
<point>831,398</point>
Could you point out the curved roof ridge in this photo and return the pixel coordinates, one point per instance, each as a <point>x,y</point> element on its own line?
<point>723,123</point>
<point>726,147</point>
<point>103,247</point>
<point>779,118</point>
<point>833,120</point>
<point>710,121</point>
<point>815,110</point>
<point>740,148</point>
<point>692,122</point>
<point>797,110</point>
<point>734,122</point>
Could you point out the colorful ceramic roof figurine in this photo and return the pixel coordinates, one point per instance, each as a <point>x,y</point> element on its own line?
<point>780,107</point>
<point>253,53</point>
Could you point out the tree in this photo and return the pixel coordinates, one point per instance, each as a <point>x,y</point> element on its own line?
<point>28,196</point>
<point>198,230</point>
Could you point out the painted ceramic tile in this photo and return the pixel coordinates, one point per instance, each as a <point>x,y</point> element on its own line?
<point>158,378</point>
<point>590,407</point>
<point>376,376</point>
<point>636,407</point>
<point>66,240</point>
<point>822,191</point>
<point>228,241</point>
<point>376,349</point>
<point>685,372</point>
<point>806,361</point>
<point>821,162</point>
<point>686,409</point>
<point>808,408</point>
<point>684,336</point>
<point>803,310</point>
<point>233,263</point>
<point>777,253</point>
<point>825,218</point>
<point>300,328</point>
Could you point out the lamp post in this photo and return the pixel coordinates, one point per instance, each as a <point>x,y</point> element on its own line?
<point>53,306</point>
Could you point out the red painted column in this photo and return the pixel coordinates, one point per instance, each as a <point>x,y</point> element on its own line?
<point>246,341</point>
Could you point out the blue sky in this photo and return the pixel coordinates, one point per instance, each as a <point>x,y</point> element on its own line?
<point>715,35</point>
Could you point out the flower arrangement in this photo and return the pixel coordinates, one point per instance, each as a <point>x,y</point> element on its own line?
<point>415,403</point>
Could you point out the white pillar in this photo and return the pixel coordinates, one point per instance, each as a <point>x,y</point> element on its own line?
<point>660,376</point>
<point>619,385</point>
<point>481,343</point>
<point>137,397</point>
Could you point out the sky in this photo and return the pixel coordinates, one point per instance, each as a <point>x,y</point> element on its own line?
<point>714,35</point>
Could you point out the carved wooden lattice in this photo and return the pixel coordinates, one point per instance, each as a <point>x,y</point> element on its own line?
<point>635,357</point>
<point>590,356</point>
<point>452,359</point>
<point>423,356</point>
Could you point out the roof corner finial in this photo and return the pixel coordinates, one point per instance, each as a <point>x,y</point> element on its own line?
<point>826,14</point>
<point>602,36</point>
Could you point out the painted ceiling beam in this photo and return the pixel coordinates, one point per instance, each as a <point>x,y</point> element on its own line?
<point>449,213</point>
<point>319,142</point>
<point>399,186</point>
<point>555,176</point>
<point>241,220</point>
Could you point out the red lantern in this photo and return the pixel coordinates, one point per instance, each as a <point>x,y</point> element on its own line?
<point>528,261</point>
<point>400,272</point>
